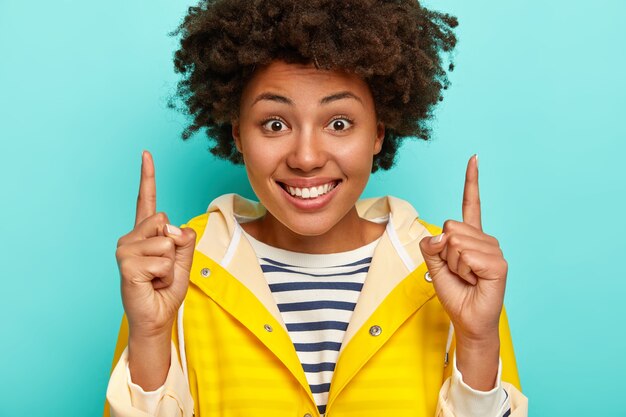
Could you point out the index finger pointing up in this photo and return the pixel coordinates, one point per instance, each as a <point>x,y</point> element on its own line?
<point>471,197</point>
<point>146,200</point>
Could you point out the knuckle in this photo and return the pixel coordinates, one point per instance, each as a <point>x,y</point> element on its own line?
<point>124,267</point>
<point>160,267</point>
<point>161,217</point>
<point>449,225</point>
<point>148,198</point>
<point>471,201</point>
<point>465,257</point>
<point>168,264</point>
<point>168,244</point>
<point>464,272</point>
<point>505,265</point>
<point>454,241</point>
<point>123,240</point>
<point>120,253</point>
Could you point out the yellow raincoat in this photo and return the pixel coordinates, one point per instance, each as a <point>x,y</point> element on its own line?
<point>234,357</point>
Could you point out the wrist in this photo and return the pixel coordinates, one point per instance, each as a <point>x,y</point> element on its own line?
<point>487,340</point>
<point>478,360</point>
<point>149,336</point>
<point>149,359</point>
<point>149,331</point>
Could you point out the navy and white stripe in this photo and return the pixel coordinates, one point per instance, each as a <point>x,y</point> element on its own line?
<point>507,413</point>
<point>316,295</point>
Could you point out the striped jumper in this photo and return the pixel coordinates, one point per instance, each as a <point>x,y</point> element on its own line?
<point>316,295</point>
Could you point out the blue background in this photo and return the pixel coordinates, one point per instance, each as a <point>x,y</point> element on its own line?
<point>539,93</point>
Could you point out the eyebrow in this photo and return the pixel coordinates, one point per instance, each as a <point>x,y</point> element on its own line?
<point>340,96</point>
<point>284,100</point>
<point>272,97</point>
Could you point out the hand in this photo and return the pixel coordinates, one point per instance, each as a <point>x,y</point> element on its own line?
<point>469,274</point>
<point>154,260</point>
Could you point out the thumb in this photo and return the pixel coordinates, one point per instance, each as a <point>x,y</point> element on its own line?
<point>431,247</point>
<point>185,240</point>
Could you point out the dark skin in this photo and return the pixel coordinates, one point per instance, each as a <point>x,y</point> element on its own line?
<point>467,265</point>
<point>469,274</point>
<point>154,261</point>
<point>327,131</point>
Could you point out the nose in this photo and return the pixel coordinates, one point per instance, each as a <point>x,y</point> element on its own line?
<point>307,151</point>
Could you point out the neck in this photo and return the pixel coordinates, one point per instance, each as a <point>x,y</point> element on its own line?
<point>350,233</point>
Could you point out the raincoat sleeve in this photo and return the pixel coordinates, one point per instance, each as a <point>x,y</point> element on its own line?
<point>125,399</point>
<point>456,399</point>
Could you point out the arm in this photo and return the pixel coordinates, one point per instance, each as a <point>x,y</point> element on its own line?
<point>126,399</point>
<point>154,260</point>
<point>469,274</point>
<point>458,399</point>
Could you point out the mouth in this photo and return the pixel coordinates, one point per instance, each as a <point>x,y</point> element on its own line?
<point>309,193</point>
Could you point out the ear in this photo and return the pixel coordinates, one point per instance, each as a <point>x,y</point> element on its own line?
<point>380,137</point>
<point>236,134</point>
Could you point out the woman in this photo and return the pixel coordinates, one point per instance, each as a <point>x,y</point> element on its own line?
<point>312,302</point>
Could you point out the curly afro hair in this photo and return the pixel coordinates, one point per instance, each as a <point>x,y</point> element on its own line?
<point>394,45</point>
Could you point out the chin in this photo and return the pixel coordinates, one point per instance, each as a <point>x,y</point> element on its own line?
<point>309,226</point>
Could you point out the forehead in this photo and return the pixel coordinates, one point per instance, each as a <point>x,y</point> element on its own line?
<point>303,81</point>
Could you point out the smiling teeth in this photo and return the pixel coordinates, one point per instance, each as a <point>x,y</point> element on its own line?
<point>311,192</point>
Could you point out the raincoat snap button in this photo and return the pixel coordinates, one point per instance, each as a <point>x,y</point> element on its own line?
<point>375,330</point>
<point>268,327</point>
<point>427,277</point>
<point>205,272</point>
<point>308,415</point>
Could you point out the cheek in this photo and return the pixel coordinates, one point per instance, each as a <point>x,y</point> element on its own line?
<point>259,156</point>
<point>261,162</point>
<point>356,159</point>
<point>259,166</point>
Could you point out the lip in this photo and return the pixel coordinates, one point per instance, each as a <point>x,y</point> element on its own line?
<point>310,204</point>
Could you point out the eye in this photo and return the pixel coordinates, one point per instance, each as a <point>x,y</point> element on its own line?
<point>274,125</point>
<point>339,124</point>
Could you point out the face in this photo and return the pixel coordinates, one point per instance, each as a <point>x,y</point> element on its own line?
<point>308,138</point>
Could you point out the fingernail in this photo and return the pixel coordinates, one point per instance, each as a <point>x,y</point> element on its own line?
<point>476,156</point>
<point>173,230</point>
<point>436,239</point>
